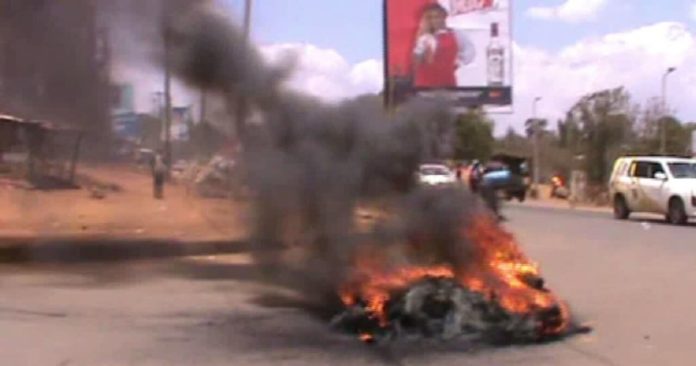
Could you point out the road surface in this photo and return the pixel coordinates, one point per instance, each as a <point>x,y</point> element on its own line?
<point>632,281</point>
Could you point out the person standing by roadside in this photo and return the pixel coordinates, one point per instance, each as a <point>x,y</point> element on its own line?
<point>159,172</point>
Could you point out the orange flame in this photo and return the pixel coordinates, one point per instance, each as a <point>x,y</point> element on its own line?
<point>500,271</point>
<point>367,338</point>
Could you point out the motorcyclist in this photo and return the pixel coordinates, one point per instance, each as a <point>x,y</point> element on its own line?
<point>475,173</point>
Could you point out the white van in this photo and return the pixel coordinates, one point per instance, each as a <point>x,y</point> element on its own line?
<point>663,185</point>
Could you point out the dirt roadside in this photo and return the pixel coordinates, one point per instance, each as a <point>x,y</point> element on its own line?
<point>127,215</point>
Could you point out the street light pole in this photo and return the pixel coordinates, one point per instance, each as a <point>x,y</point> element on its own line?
<point>167,108</point>
<point>663,125</point>
<point>248,7</point>
<point>167,91</point>
<point>535,141</point>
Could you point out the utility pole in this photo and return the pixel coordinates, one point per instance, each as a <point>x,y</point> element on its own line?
<point>663,125</point>
<point>535,141</point>
<point>203,107</point>
<point>242,104</point>
<point>167,94</point>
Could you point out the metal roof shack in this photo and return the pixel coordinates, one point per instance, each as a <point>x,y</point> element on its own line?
<point>48,151</point>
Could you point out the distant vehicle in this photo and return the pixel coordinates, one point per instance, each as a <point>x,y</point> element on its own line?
<point>507,175</point>
<point>436,175</point>
<point>144,156</point>
<point>662,185</point>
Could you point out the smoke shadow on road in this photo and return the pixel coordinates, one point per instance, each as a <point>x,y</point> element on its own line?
<point>71,250</point>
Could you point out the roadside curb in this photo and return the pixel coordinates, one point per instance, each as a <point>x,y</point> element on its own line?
<point>532,204</point>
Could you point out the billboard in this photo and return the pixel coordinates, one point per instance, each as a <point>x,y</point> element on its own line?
<point>457,48</point>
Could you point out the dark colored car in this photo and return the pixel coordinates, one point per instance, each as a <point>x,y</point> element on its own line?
<point>508,175</point>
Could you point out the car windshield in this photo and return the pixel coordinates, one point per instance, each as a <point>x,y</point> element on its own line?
<point>683,170</point>
<point>434,170</point>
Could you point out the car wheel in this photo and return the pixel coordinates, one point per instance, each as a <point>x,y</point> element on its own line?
<point>677,212</point>
<point>621,211</point>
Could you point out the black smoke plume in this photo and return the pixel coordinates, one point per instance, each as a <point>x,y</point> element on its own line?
<point>311,165</point>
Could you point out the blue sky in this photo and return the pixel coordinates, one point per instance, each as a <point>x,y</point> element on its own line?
<point>353,28</point>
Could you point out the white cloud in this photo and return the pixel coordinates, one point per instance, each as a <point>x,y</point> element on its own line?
<point>541,12</point>
<point>635,59</point>
<point>317,71</point>
<point>572,11</point>
<point>325,73</point>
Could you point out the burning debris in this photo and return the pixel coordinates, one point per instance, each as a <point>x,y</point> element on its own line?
<point>440,307</point>
<point>498,298</point>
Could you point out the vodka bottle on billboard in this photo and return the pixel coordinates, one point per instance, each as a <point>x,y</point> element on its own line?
<point>495,58</point>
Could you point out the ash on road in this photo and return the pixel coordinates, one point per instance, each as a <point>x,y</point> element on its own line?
<point>631,281</point>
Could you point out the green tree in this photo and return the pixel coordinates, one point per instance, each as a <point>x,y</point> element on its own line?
<point>678,138</point>
<point>530,124</point>
<point>514,144</point>
<point>649,131</point>
<point>604,120</point>
<point>474,136</point>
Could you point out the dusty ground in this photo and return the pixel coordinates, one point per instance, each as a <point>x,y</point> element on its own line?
<point>131,212</point>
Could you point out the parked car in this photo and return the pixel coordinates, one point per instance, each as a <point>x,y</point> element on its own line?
<point>435,175</point>
<point>662,185</point>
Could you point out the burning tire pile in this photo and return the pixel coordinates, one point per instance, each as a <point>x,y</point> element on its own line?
<point>441,308</point>
<point>502,300</point>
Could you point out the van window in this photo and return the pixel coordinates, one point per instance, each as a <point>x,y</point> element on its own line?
<point>646,169</point>
<point>683,170</point>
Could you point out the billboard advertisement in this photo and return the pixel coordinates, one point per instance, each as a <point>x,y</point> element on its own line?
<point>457,48</point>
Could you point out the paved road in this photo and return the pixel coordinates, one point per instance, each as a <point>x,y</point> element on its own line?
<point>631,280</point>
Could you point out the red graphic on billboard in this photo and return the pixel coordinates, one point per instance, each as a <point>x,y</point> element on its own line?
<point>449,45</point>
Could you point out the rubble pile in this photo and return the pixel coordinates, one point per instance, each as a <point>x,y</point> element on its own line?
<point>219,178</point>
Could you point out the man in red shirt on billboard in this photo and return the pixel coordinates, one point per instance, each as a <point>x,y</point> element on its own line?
<point>436,50</point>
